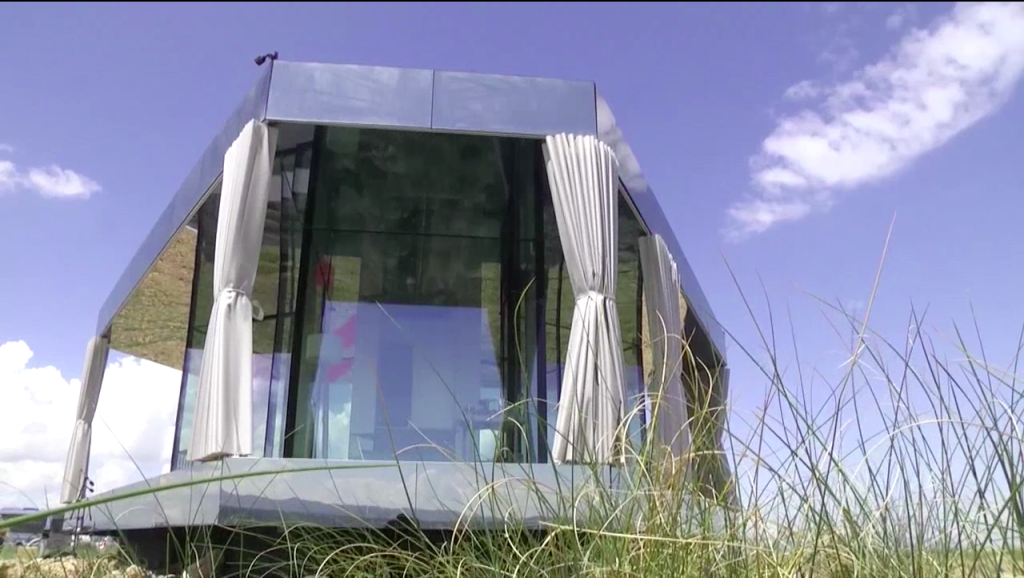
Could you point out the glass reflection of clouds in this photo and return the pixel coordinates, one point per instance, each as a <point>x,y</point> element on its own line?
<point>263,374</point>
<point>406,379</point>
<point>411,285</point>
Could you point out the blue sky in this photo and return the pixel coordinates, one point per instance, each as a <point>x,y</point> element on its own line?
<point>105,108</point>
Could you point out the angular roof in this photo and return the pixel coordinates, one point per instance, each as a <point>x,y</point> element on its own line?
<point>425,100</point>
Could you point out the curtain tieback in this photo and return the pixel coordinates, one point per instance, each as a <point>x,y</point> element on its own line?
<point>596,295</point>
<point>233,294</point>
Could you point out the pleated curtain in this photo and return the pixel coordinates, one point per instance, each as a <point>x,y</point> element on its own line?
<point>661,291</point>
<point>96,355</point>
<point>223,418</point>
<point>583,176</point>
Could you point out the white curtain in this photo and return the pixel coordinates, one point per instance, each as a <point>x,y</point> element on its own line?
<point>223,418</point>
<point>661,291</point>
<point>583,175</point>
<point>81,438</point>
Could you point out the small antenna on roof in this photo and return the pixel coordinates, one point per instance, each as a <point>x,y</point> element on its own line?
<point>263,58</point>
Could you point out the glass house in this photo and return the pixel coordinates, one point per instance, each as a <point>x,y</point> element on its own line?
<point>412,302</point>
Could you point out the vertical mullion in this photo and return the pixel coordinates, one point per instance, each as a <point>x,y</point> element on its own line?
<point>540,310</point>
<point>175,446</point>
<point>513,285</point>
<point>268,431</point>
<point>502,347</point>
<point>295,369</point>
<point>638,341</point>
<point>558,323</point>
<point>324,400</point>
<point>283,299</point>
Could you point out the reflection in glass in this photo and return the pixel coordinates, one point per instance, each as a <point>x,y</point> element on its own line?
<point>410,329</point>
<point>289,188</point>
<point>273,299</point>
<point>205,223</point>
<point>401,309</point>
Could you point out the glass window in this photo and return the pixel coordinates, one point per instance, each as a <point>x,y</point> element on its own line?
<point>205,223</point>
<point>273,298</point>
<point>629,298</point>
<point>558,315</point>
<point>280,262</point>
<point>401,309</point>
<point>413,340</point>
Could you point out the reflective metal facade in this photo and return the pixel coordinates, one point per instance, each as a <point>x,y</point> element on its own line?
<point>375,494</point>
<point>348,95</point>
<point>191,192</point>
<point>512,105</point>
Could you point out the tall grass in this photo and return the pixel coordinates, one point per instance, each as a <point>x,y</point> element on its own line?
<point>908,464</point>
<point>933,490</point>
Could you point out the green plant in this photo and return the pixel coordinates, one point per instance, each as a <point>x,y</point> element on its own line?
<point>905,464</point>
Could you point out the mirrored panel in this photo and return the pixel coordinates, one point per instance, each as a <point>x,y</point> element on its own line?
<point>153,324</point>
<point>421,245</point>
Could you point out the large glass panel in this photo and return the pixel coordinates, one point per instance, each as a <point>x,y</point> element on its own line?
<point>205,223</point>
<point>285,217</point>
<point>558,315</point>
<point>273,297</point>
<point>153,323</point>
<point>415,341</point>
<point>418,330</point>
<point>629,298</point>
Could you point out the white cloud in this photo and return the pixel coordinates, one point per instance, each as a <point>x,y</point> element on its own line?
<point>902,15</point>
<point>933,85</point>
<point>54,181</point>
<point>832,38</point>
<point>37,411</point>
<point>803,90</point>
<point>8,176</point>
<point>757,216</point>
<point>840,53</point>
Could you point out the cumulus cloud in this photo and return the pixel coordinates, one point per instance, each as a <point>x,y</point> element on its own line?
<point>840,53</point>
<point>54,181</point>
<point>51,181</point>
<point>901,16</point>
<point>8,176</point>
<point>132,432</point>
<point>934,84</point>
<point>803,90</point>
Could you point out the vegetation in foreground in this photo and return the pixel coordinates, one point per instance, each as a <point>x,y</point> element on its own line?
<point>907,464</point>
